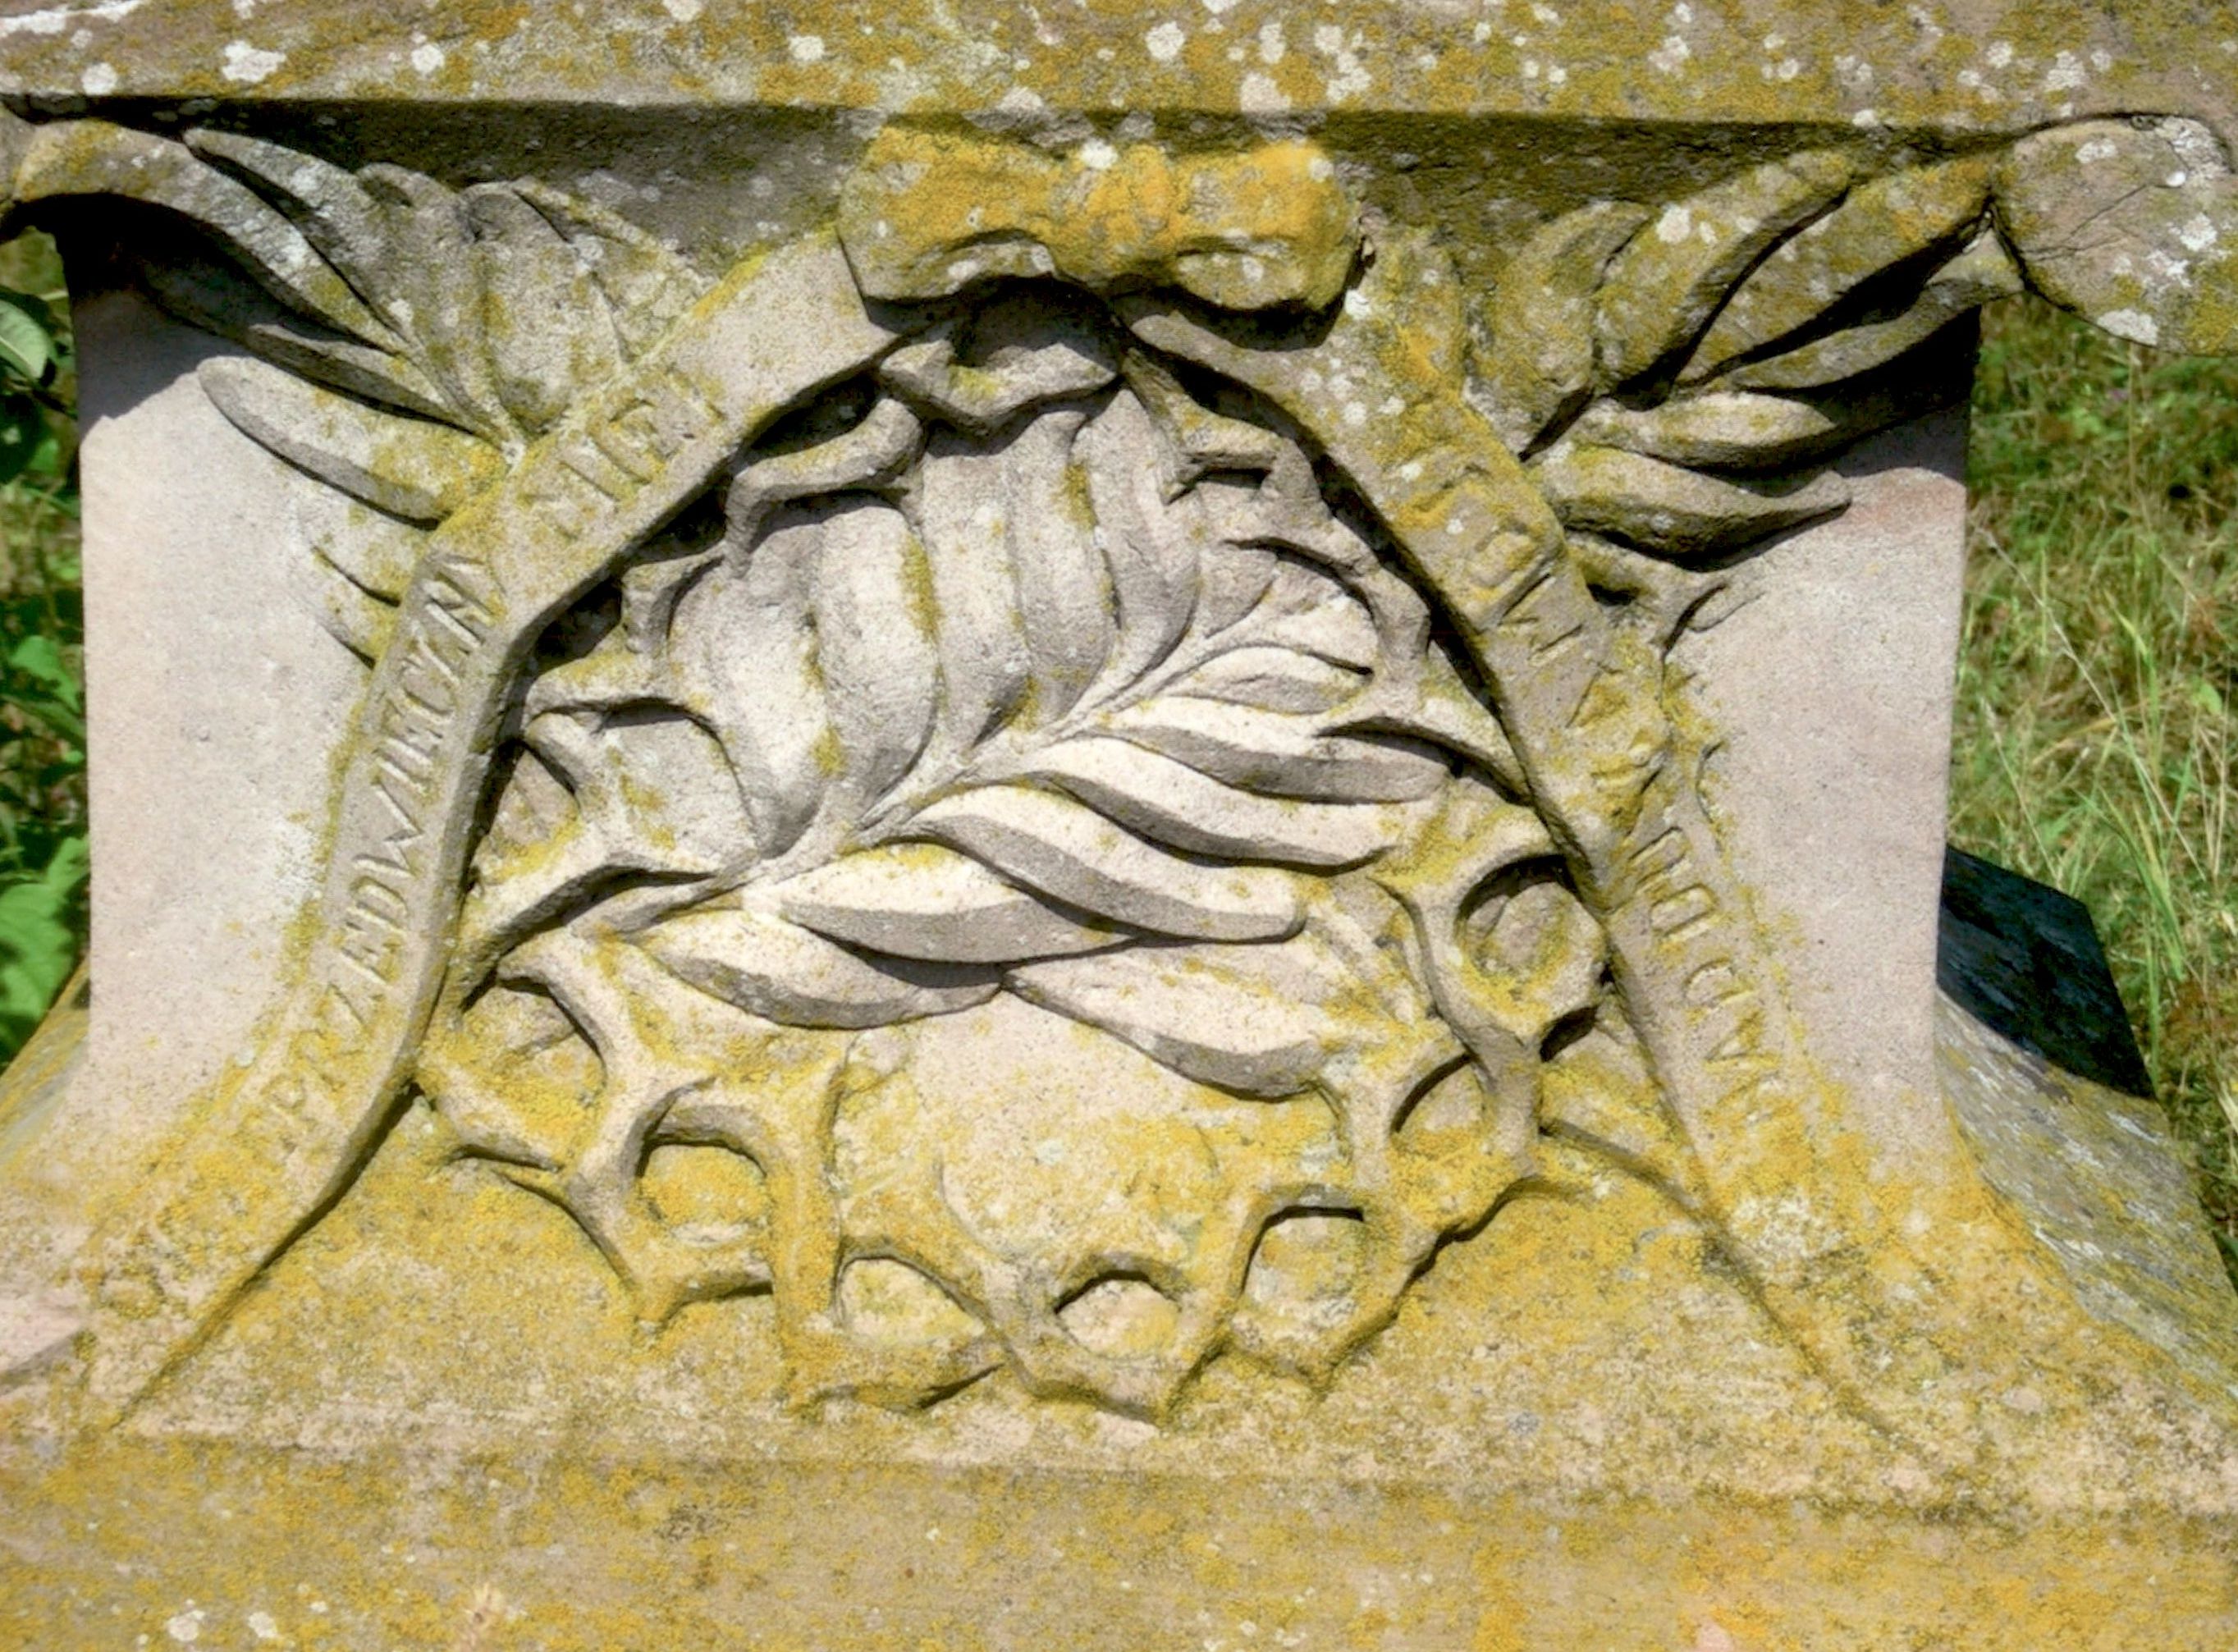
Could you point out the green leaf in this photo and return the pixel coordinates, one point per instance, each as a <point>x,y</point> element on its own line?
<point>22,432</point>
<point>56,321</point>
<point>62,708</point>
<point>27,348</point>
<point>38,943</point>
<point>40,657</point>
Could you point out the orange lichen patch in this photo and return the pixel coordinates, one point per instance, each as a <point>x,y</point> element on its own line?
<point>929,212</point>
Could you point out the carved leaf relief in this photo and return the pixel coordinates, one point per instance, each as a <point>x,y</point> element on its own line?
<point>1019,672</point>
<point>1059,856</point>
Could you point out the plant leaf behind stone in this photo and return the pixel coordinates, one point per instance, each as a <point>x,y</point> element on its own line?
<point>38,944</point>
<point>27,348</point>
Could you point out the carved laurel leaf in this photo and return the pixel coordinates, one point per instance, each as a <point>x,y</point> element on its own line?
<point>646,284</point>
<point>1536,361</point>
<point>545,325</point>
<point>1792,276</point>
<point>1981,273</point>
<point>204,294</point>
<point>492,309</point>
<point>486,313</point>
<point>411,468</point>
<point>359,619</point>
<point>1728,430</point>
<point>1669,509</point>
<point>1880,223</point>
<point>93,157</point>
<point>1675,274</point>
<point>435,280</point>
<point>328,204</point>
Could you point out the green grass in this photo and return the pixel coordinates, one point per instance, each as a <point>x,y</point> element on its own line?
<point>42,838</point>
<point>2095,747</point>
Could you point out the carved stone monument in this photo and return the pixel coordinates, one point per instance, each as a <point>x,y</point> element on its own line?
<point>1077,827</point>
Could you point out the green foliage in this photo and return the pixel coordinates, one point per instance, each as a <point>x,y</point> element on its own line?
<point>33,357</point>
<point>2095,747</point>
<point>42,840</point>
<point>39,938</point>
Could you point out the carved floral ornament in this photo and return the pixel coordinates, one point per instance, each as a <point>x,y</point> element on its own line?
<point>1067,776</point>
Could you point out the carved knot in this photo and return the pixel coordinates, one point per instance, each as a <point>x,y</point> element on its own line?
<point>927,214</point>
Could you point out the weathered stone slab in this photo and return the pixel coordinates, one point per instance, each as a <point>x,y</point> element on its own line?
<point>1055,831</point>
<point>1983,65</point>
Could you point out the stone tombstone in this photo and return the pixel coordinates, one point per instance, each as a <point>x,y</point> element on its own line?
<point>1070,826</point>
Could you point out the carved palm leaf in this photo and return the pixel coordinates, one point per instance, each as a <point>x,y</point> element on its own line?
<point>985,703</point>
<point>1023,671</point>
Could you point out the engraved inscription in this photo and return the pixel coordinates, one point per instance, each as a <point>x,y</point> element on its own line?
<point>415,719</point>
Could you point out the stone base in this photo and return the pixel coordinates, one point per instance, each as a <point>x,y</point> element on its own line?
<point>226,1545</point>
<point>396,1442</point>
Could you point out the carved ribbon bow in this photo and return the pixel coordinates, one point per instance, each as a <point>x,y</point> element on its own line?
<point>926,214</point>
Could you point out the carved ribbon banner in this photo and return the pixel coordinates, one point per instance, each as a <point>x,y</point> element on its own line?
<point>280,1141</point>
<point>1563,487</point>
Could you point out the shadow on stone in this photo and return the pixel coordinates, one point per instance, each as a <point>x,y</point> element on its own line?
<point>2024,959</point>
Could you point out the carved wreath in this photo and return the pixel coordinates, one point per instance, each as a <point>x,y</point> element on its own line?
<point>1133,632</point>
